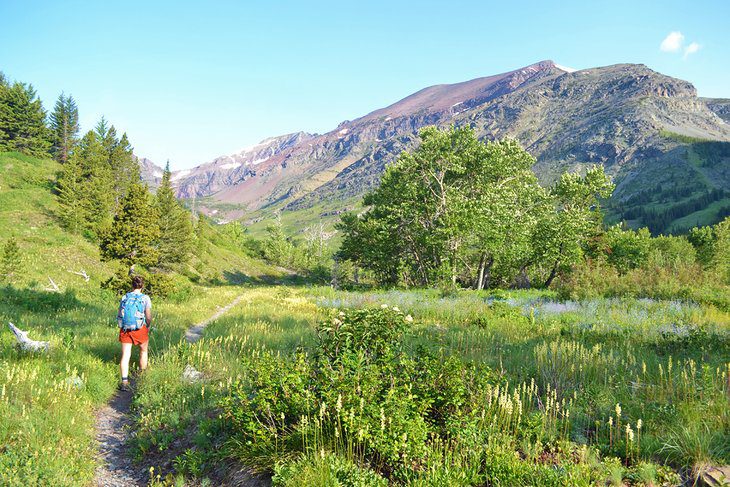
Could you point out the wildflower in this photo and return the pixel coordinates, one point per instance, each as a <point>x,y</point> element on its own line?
<point>409,318</point>
<point>610,421</point>
<point>639,424</point>
<point>629,432</point>
<point>336,322</point>
<point>395,308</point>
<point>341,314</point>
<point>384,306</point>
<point>618,410</point>
<point>338,406</point>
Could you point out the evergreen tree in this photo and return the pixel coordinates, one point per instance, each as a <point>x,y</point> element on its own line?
<point>97,188</point>
<point>64,127</point>
<point>176,231</point>
<point>125,168</point>
<point>10,260</point>
<point>70,193</point>
<point>101,128</point>
<point>22,120</point>
<point>134,230</point>
<point>200,243</point>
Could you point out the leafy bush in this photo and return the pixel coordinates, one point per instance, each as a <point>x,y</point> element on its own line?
<point>374,331</point>
<point>156,284</point>
<point>332,470</point>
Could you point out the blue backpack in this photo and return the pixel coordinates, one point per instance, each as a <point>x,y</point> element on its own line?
<point>131,311</point>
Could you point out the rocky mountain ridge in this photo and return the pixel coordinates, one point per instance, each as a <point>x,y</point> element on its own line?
<point>634,121</point>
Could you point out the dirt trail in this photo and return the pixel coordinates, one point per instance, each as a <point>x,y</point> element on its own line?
<point>116,468</point>
<point>195,332</point>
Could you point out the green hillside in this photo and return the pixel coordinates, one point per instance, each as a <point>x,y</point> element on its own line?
<point>47,402</point>
<point>28,209</point>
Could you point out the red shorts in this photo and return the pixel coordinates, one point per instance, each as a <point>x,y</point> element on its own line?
<point>136,337</point>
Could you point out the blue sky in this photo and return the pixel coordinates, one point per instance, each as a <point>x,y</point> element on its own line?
<point>189,81</point>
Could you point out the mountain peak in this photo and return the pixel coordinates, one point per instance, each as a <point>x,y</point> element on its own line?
<point>548,64</point>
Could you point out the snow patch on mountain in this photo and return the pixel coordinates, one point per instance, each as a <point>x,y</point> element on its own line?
<point>565,68</point>
<point>179,175</point>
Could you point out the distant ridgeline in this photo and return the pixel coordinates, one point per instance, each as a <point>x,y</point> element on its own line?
<point>665,148</point>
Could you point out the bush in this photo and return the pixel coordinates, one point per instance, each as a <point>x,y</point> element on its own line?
<point>374,331</point>
<point>332,470</point>
<point>627,249</point>
<point>156,284</point>
<point>11,261</point>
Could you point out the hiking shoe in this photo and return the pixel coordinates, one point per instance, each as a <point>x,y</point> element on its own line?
<point>125,387</point>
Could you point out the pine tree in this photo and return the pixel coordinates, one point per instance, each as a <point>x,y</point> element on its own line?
<point>124,166</point>
<point>64,127</point>
<point>176,231</point>
<point>134,230</point>
<point>85,188</point>
<point>70,194</point>
<point>101,128</point>
<point>200,243</point>
<point>10,260</point>
<point>22,120</point>
<point>97,188</point>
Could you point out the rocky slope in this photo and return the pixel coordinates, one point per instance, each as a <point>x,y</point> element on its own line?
<point>638,123</point>
<point>721,106</point>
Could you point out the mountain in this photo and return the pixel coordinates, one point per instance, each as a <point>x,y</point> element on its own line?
<point>151,172</point>
<point>666,149</point>
<point>721,106</point>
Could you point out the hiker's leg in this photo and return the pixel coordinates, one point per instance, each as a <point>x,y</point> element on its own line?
<point>143,355</point>
<point>124,363</point>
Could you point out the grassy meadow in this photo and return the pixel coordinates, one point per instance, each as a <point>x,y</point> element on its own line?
<point>307,385</point>
<point>478,389</point>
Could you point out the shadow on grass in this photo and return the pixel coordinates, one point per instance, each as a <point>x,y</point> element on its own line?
<point>42,302</point>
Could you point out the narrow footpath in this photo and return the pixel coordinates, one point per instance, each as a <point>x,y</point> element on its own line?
<point>113,423</point>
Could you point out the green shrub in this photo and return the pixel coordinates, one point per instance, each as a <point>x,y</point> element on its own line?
<point>374,331</point>
<point>156,284</point>
<point>332,470</point>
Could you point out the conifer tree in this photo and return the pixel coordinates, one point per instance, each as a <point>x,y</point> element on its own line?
<point>64,127</point>
<point>10,260</point>
<point>97,189</point>
<point>22,120</point>
<point>85,188</point>
<point>176,231</point>
<point>134,230</point>
<point>70,189</point>
<point>124,166</point>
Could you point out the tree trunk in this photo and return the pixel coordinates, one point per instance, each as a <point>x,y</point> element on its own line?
<point>480,271</point>
<point>336,274</point>
<point>523,280</point>
<point>553,273</point>
<point>487,273</point>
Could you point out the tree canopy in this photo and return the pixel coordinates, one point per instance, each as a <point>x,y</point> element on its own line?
<point>461,211</point>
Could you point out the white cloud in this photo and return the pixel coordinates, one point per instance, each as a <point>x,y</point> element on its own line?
<point>692,48</point>
<point>673,42</point>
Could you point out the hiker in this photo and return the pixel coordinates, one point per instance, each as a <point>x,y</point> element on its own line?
<point>134,318</point>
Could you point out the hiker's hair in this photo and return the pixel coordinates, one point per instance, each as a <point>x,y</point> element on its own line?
<point>137,282</point>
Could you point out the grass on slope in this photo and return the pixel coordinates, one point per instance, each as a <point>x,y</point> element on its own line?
<point>47,401</point>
